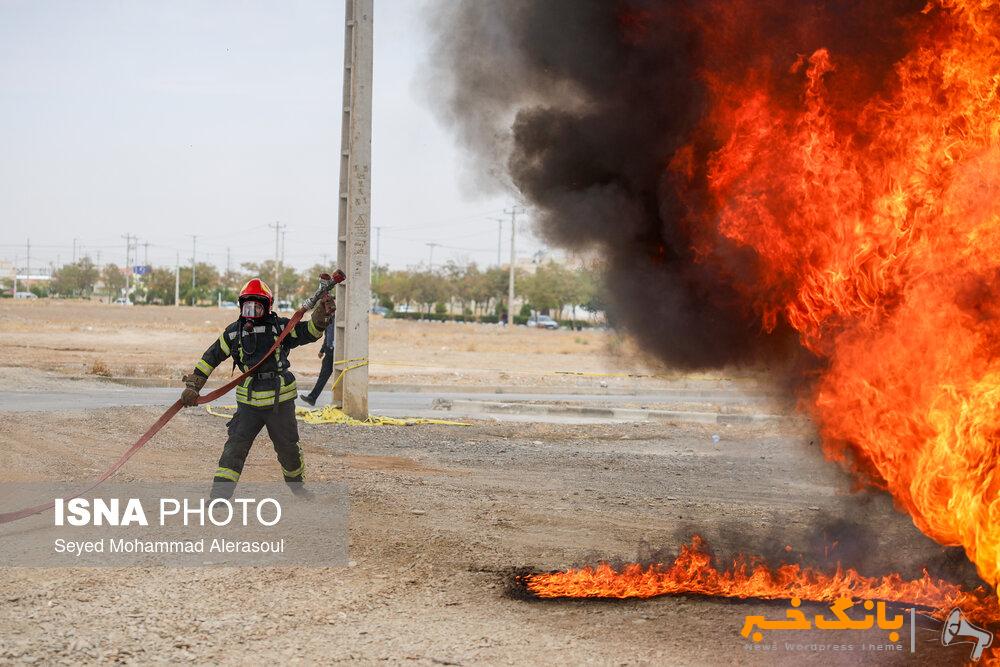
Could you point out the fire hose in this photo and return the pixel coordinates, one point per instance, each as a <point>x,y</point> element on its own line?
<point>326,283</point>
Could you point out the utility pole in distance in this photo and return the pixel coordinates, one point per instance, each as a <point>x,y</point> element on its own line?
<point>177,280</point>
<point>430,261</point>
<point>281,258</point>
<point>499,222</point>
<point>194,250</point>
<point>277,226</point>
<point>514,212</point>
<point>128,267</point>
<point>354,216</point>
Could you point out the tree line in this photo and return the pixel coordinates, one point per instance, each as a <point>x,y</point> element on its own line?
<point>83,279</point>
<point>468,290</point>
<point>551,288</point>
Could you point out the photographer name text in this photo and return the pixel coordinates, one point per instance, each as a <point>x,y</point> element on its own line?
<point>136,546</point>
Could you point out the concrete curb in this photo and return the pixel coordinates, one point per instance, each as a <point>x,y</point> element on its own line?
<point>622,414</point>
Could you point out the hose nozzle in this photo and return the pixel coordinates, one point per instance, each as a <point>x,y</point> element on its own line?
<point>326,283</point>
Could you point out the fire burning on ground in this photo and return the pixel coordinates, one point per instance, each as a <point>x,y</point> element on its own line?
<point>829,170</point>
<point>694,573</point>
<point>758,171</point>
<point>876,233</point>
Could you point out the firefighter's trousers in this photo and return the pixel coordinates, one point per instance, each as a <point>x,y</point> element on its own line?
<point>243,429</point>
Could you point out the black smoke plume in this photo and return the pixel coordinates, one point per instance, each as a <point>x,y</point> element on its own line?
<point>579,106</point>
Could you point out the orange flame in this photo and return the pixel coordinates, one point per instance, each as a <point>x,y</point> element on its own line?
<point>875,224</point>
<point>693,573</point>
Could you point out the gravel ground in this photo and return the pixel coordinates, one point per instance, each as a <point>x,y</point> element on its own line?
<point>439,517</point>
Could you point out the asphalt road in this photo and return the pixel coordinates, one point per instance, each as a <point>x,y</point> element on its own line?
<point>386,403</point>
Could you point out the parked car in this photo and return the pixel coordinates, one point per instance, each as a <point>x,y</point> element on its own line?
<point>122,301</point>
<point>380,310</point>
<point>25,295</point>
<point>542,322</point>
<point>283,305</point>
<point>228,304</point>
<point>405,308</point>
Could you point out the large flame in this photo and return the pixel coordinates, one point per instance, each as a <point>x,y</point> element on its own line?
<point>693,573</point>
<point>874,224</point>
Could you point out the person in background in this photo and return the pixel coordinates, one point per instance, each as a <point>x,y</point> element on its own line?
<point>326,354</point>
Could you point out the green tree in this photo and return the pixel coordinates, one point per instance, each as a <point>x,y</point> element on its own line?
<point>547,287</point>
<point>114,281</point>
<point>159,285</point>
<point>206,284</point>
<point>230,284</point>
<point>429,288</point>
<point>496,282</point>
<point>77,279</point>
<point>400,287</point>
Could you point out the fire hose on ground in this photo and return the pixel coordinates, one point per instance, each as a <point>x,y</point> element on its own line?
<point>326,283</point>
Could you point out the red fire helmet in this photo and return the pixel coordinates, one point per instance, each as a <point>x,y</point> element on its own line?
<point>257,290</point>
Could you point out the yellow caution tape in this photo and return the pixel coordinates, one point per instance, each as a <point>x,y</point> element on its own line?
<point>348,361</point>
<point>211,411</point>
<point>361,361</point>
<point>333,415</point>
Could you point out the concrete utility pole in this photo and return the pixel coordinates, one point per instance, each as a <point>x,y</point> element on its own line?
<point>354,219</point>
<point>277,259</point>
<point>513,260</point>
<point>27,269</point>
<point>74,250</point>
<point>194,250</point>
<point>281,258</point>
<point>128,266</point>
<point>177,281</point>
<point>499,222</point>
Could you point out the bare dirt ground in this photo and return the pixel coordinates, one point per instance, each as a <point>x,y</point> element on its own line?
<point>80,338</point>
<point>439,517</point>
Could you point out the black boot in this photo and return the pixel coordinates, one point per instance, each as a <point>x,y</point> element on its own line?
<point>299,490</point>
<point>222,488</point>
<point>307,399</point>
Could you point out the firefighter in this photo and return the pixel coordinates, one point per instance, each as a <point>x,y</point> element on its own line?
<point>326,369</point>
<point>267,397</point>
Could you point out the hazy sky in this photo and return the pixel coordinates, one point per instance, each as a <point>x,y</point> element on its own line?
<point>166,119</point>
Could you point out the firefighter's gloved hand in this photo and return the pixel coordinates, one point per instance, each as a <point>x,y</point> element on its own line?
<point>323,311</point>
<point>192,385</point>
